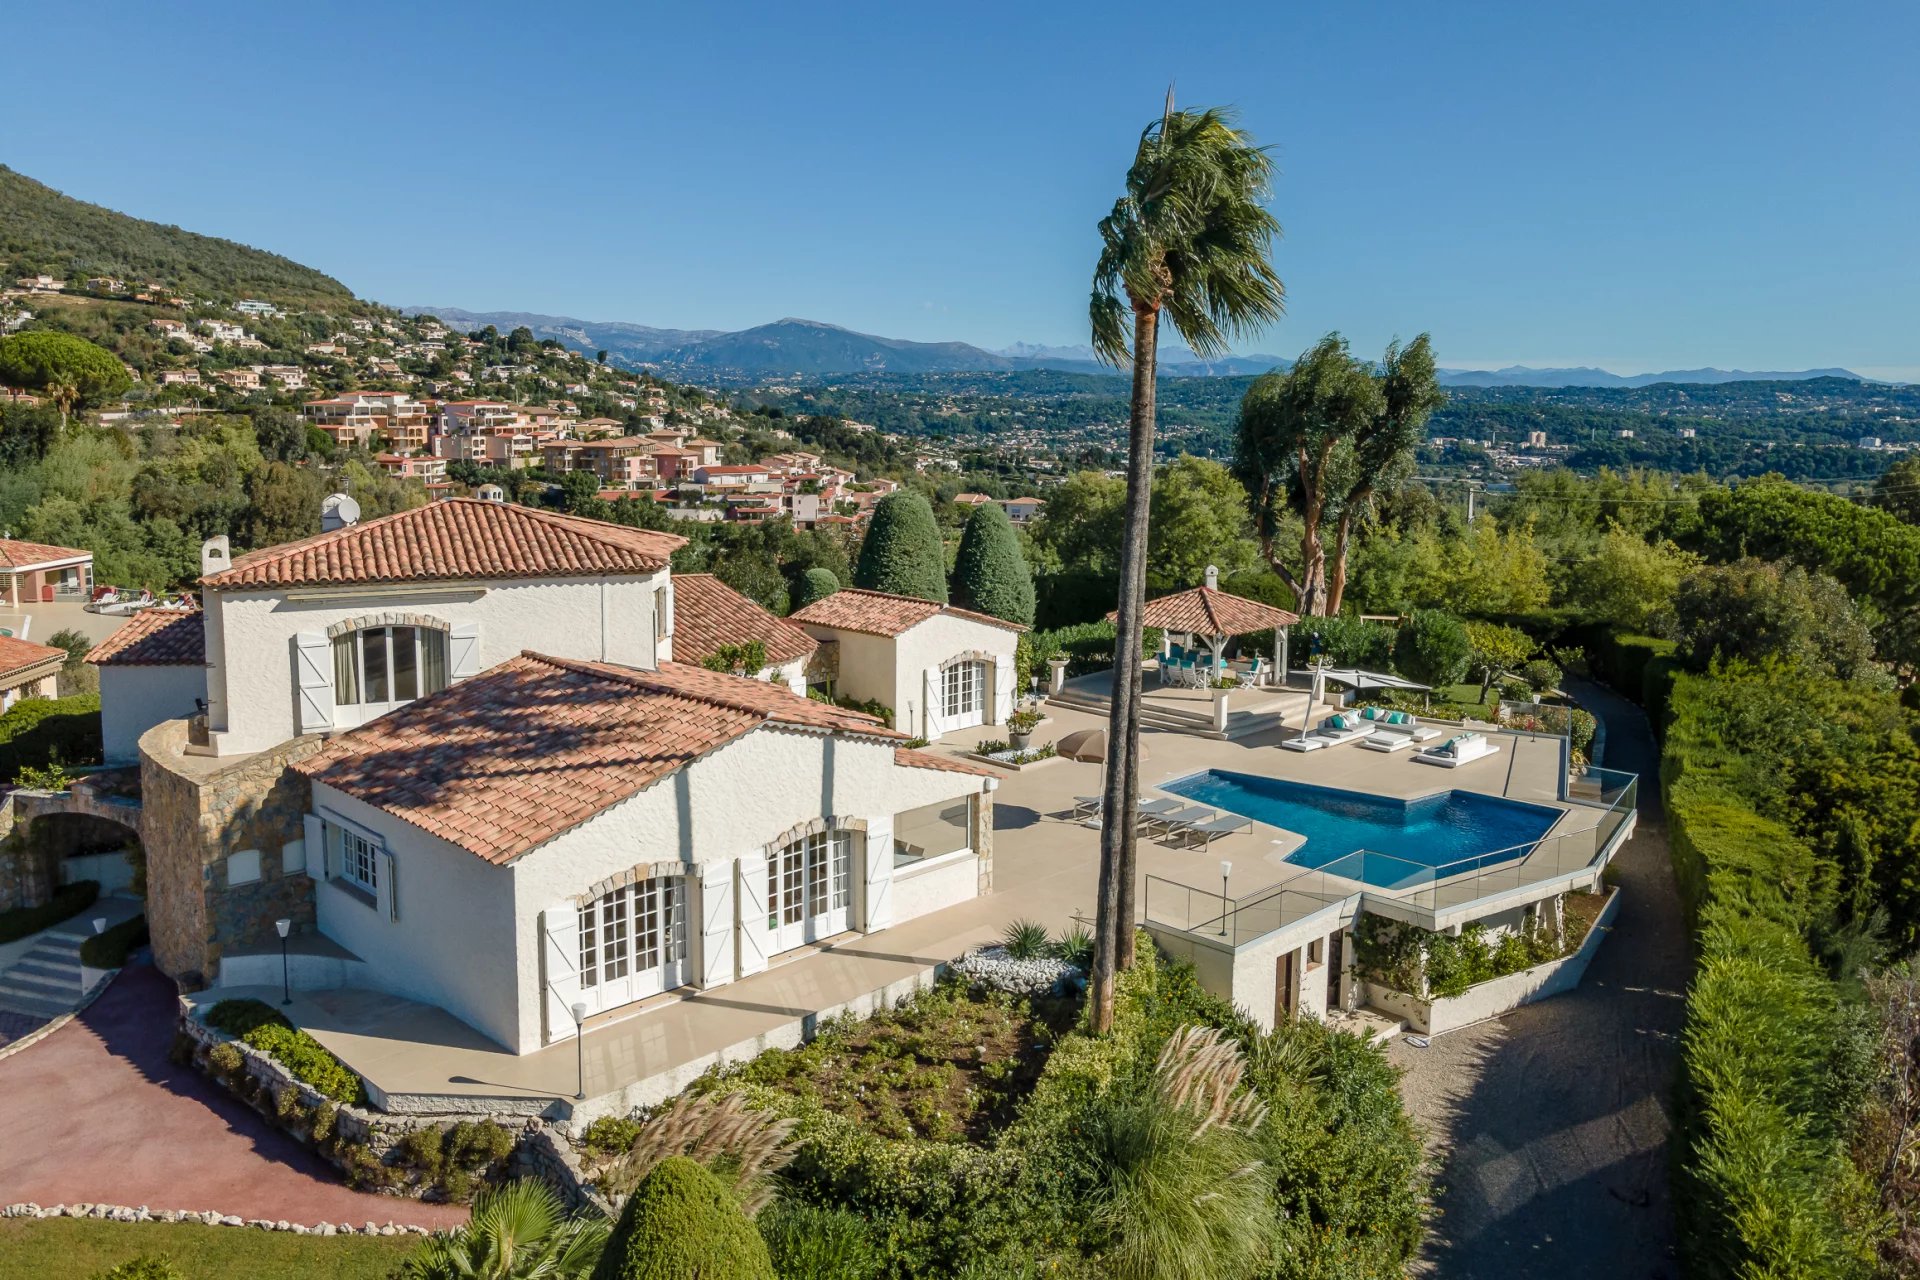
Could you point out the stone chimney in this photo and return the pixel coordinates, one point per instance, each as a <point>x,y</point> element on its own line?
<point>490,493</point>
<point>1213,577</point>
<point>337,512</point>
<point>215,555</point>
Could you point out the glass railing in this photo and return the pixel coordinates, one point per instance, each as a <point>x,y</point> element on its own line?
<point>1233,920</point>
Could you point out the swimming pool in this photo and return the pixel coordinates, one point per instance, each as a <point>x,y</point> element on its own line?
<point>1452,829</point>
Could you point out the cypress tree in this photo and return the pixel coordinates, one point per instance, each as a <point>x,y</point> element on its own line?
<point>902,552</point>
<point>990,574</point>
<point>816,583</point>
<point>682,1222</point>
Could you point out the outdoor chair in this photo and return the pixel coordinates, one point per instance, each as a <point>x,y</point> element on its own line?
<point>1173,820</point>
<point>1086,807</point>
<point>1202,834</point>
<point>1147,809</point>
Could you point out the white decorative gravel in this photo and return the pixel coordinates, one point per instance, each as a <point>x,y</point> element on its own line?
<point>993,967</point>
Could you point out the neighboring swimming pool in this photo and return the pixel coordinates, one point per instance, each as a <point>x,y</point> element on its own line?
<point>1451,829</point>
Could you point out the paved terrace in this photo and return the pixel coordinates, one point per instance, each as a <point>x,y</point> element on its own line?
<point>1045,869</point>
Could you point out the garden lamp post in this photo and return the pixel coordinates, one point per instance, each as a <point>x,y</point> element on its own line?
<point>284,927</point>
<point>579,1012</point>
<point>1226,873</point>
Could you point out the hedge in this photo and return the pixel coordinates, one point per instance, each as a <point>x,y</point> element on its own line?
<point>1640,668</point>
<point>110,950</point>
<point>682,1223</point>
<point>34,732</point>
<point>68,900</point>
<point>1763,1183</point>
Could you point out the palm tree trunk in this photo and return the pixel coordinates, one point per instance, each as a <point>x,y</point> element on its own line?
<point>1113,949</point>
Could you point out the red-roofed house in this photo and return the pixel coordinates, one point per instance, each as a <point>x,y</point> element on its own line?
<point>28,670</point>
<point>35,573</point>
<point>936,667</point>
<point>457,744</point>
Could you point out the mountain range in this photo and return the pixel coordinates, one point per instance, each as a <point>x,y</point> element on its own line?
<point>812,348</point>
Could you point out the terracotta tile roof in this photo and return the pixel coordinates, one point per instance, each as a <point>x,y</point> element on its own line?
<point>880,614</point>
<point>708,613</point>
<point>461,538</point>
<point>908,758</point>
<point>1206,611</point>
<point>22,555</point>
<point>156,638</point>
<point>20,659</point>
<point>502,763</point>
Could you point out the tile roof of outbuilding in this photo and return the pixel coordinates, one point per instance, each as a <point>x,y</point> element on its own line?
<point>21,657</point>
<point>503,762</point>
<point>156,638</point>
<point>458,539</point>
<point>880,613</point>
<point>15,554</point>
<point>708,613</point>
<point>1206,611</point>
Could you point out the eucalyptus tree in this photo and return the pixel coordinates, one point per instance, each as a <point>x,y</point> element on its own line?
<point>1190,237</point>
<point>1322,439</point>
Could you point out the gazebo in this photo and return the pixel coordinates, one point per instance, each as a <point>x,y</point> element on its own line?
<point>1212,616</point>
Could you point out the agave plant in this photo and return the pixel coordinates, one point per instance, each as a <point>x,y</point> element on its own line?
<point>1075,946</point>
<point>1025,940</point>
<point>517,1232</point>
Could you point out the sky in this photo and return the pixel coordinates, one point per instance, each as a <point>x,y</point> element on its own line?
<point>1635,186</point>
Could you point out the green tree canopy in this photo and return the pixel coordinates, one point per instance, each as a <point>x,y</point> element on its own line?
<point>682,1224</point>
<point>1432,647</point>
<point>1321,439</point>
<point>816,583</point>
<point>1898,489</point>
<point>71,371</point>
<point>1759,610</point>
<point>1497,650</point>
<point>990,572</point>
<point>902,552</point>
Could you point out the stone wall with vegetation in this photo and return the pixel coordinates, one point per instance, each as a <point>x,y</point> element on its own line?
<point>199,812</point>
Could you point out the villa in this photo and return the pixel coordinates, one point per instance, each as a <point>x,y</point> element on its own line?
<point>466,721</point>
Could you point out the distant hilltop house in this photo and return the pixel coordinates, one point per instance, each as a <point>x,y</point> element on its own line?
<point>472,754</point>
<point>255,307</point>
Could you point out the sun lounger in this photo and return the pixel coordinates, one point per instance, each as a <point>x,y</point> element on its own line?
<point>1148,808</point>
<point>1086,806</point>
<point>1457,750</point>
<point>1202,834</point>
<point>1381,740</point>
<point>1174,819</point>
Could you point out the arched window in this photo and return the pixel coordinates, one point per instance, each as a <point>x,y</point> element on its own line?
<point>380,666</point>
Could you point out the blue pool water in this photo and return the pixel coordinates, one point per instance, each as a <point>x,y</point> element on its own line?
<point>1453,829</point>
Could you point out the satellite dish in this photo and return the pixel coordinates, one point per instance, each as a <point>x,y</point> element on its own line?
<point>337,512</point>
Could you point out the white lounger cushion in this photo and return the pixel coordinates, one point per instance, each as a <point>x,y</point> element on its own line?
<point>1388,741</point>
<point>1466,748</point>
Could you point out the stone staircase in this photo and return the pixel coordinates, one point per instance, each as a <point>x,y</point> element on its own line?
<point>1152,715</point>
<point>47,981</point>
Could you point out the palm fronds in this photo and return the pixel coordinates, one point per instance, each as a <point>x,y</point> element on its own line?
<point>517,1232</point>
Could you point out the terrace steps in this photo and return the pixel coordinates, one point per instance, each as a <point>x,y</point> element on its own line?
<point>1196,717</point>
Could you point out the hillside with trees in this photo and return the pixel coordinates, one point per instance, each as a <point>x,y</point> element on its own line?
<point>44,230</point>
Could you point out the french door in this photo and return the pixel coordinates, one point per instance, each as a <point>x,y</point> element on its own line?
<point>963,690</point>
<point>633,942</point>
<point>810,890</point>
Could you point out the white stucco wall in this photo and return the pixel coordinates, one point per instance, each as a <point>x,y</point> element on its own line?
<point>866,666</point>
<point>918,890</point>
<point>250,637</point>
<point>451,945</point>
<point>134,699</point>
<point>931,644</point>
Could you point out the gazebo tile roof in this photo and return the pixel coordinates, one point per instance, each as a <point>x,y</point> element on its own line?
<point>1211,612</point>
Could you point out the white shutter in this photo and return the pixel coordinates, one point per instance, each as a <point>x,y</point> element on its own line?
<point>750,917</point>
<point>313,672</point>
<point>935,703</point>
<point>316,849</point>
<point>390,882</point>
<point>876,880</point>
<point>716,923</point>
<point>666,609</point>
<point>560,966</point>
<point>463,650</point>
<point>1003,690</point>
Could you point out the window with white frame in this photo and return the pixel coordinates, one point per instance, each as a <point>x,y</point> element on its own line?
<point>359,861</point>
<point>962,689</point>
<point>633,930</point>
<point>376,666</point>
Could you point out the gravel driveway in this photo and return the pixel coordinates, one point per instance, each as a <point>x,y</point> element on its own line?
<point>1551,1123</point>
<point>97,1113</point>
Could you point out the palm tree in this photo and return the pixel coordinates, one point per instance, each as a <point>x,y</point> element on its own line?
<point>1189,237</point>
<point>517,1232</point>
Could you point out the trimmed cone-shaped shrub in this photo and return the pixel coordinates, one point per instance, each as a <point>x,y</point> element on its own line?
<point>681,1224</point>
<point>815,584</point>
<point>990,573</point>
<point>902,552</point>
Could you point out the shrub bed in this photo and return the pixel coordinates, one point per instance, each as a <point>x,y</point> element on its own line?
<point>35,732</point>
<point>110,950</point>
<point>262,1027</point>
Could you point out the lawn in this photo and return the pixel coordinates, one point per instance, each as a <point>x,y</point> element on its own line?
<point>59,1248</point>
<point>948,1065</point>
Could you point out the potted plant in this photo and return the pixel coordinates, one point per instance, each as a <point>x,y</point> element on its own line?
<point>1020,727</point>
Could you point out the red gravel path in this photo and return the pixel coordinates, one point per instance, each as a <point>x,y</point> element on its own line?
<point>96,1113</point>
